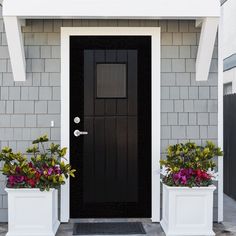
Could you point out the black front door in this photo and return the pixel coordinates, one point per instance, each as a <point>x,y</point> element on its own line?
<point>110,91</point>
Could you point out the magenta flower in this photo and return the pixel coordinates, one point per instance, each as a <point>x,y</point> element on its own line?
<point>50,171</point>
<point>183,180</point>
<point>183,175</point>
<point>15,179</point>
<point>57,169</point>
<point>18,169</point>
<point>11,180</point>
<point>177,176</point>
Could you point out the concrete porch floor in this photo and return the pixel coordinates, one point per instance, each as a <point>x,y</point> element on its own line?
<point>227,228</point>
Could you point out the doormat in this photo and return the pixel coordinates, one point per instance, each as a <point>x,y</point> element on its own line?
<point>108,228</point>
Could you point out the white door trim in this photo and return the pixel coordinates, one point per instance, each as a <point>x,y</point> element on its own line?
<point>154,32</point>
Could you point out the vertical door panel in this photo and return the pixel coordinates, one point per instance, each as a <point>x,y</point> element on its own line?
<point>89,162</point>
<point>122,157</point>
<point>132,162</point>
<point>111,160</point>
<point>99,154</point>
<point>132,82</point>
<point>88,83</point>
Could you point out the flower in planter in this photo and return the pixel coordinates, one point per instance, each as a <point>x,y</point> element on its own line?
<point>44,169</point>
<point>190,165</point>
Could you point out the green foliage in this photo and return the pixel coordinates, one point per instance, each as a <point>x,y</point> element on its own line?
<point>45,169</point>
<point>189,155</point>
<point>189,164</point>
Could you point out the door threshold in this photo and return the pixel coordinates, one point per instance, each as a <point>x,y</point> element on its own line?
<point>98,220</point>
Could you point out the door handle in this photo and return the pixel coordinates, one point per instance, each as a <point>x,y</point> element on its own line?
<point>77,133</point>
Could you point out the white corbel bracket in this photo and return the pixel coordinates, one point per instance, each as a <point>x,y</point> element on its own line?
<point>16,46</point>
<point>206,46</point>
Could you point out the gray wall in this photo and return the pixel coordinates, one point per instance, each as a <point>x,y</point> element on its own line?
<point>189,108</point>
<point>228,88</point>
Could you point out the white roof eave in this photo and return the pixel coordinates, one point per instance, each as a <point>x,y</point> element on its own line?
<point>152,9</point>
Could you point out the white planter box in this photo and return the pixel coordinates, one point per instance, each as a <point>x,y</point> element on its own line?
<point>187,211</point>
<point>32,212</point>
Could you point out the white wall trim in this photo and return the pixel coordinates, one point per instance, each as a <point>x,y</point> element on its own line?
<point>230,77</point>
<point>220,122</point>
<point>154,32</point>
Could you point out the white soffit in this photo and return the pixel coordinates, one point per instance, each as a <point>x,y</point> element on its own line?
<point>205,12</point>
<point>112,8</point>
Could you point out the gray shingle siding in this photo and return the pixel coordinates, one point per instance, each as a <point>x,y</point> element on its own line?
<point>188,108</point>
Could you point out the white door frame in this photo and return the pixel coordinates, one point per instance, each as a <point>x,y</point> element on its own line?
<point>154,32</point>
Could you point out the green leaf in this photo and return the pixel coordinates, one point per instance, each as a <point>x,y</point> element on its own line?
<point>62,153</point>
<point>41,139</point>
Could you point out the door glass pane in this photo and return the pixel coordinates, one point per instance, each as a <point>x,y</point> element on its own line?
<point>111,80</point>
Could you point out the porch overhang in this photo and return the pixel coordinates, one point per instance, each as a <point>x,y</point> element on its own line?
<point>206,13</point>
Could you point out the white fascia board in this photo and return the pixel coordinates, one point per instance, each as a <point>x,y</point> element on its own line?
<point>16,47</point>
<point>150,9</point>
<point>206,47</point>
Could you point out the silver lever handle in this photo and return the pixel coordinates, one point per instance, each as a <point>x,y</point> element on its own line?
<point>77,133</point>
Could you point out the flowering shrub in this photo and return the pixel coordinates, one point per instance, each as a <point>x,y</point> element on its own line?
<point>190,165</point>
<point>44,169</point>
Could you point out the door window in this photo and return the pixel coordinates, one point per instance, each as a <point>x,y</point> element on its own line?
<point>111,80</point>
